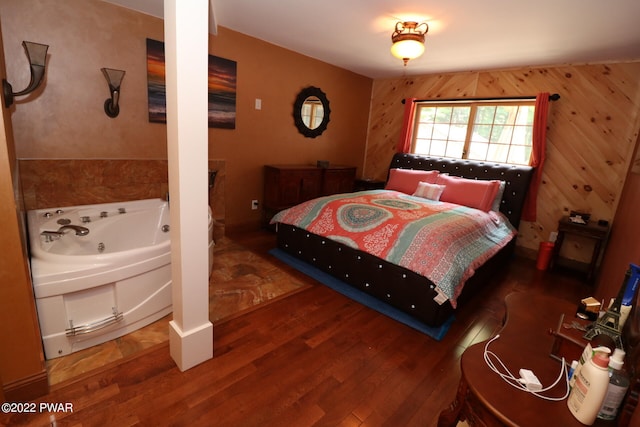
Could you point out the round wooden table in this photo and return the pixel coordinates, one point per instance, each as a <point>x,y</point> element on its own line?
<point>484,398</point>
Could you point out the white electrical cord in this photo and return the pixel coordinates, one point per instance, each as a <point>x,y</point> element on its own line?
<point>516,382</point>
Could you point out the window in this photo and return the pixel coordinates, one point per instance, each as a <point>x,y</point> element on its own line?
<point>498,131</point>
<point>312,112</point>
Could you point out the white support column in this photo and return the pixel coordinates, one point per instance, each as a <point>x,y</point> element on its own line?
<point>186,55</point>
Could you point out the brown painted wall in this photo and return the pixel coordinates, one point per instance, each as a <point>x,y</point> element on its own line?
<point>624,242</point>
<point>65,119</point>
<point>592,132</point>
<point>22,371</point>
<point>268,136</point>
<point>623,249</point>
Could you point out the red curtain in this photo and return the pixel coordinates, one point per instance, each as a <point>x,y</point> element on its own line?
<point>404,144</point>
<point>538,155</point>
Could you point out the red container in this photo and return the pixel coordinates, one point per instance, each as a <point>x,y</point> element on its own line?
<point>544,255</point>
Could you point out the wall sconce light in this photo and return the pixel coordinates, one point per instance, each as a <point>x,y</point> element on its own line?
<point>408,40</point>
<point>114,78</point>
<point>37,55</point>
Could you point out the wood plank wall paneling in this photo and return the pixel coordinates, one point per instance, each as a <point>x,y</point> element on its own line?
<point>592,132</point>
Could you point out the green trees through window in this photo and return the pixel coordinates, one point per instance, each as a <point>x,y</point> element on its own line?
<point>499,131</point>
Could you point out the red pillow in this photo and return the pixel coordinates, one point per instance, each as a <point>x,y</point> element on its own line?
<point>407,180</point>
<point>473,193</point>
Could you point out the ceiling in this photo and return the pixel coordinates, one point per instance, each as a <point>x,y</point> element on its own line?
<point>464,35</point>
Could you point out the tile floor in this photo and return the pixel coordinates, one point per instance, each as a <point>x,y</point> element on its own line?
<point>241,279</point>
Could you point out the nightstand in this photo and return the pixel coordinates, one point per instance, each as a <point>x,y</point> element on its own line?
<point>591,230</point>
<point>363,184</point>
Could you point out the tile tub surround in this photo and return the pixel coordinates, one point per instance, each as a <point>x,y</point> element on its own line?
<point>241,280</point>
<point>72,182</point>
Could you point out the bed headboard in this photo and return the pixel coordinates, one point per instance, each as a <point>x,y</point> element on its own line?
<point>516,177</point>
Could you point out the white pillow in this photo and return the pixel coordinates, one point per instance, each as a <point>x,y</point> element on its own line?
<point>429,191</point>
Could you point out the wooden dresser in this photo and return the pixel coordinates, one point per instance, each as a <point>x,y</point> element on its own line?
<point>288,185</point>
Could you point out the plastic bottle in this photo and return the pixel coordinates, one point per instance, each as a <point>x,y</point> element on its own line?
<point>588,392</point>
<point>572,368</point>
<point>600,342</point>
<point>618,385</point>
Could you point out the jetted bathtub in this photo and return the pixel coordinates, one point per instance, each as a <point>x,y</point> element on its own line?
<point>100,271</point>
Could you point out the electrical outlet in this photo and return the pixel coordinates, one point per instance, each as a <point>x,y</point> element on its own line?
<point>553,236</point>
<point>254,205</point>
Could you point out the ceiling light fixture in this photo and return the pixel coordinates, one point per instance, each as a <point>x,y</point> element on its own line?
<point>408,40</point>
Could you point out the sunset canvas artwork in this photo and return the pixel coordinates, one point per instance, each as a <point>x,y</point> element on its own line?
<point>221,88</point>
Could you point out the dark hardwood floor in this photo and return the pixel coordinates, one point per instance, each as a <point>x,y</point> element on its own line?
<point>311,358</point>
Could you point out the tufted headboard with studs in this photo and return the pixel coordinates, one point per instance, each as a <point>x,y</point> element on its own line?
<point>516,177</point>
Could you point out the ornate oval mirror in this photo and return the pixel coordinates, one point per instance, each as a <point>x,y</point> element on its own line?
<point>311,112</point>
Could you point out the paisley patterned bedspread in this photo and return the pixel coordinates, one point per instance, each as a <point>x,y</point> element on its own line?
<point>442,241</point>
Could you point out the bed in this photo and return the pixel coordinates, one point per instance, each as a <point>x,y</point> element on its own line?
<point>415,184</point>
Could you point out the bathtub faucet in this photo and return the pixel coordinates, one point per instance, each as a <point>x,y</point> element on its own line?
<point>80,230</point>
<point>53,235</point>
